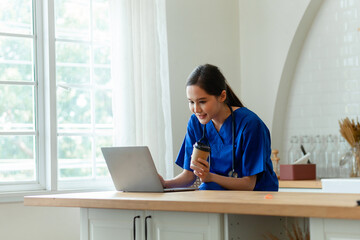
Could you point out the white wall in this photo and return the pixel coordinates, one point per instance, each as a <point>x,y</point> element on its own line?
<point>201,31</point>
<point>267,29</point>
<point>18,222</point>
<point>326,84</point>
<point>272,34</point>
<point>299,65</point>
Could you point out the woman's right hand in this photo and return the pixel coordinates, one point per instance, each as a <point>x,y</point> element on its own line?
<point>163,182</point>
<point>184,179</point>
<point>201,169</point>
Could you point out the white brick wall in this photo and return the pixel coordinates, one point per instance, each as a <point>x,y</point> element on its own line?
<point>326,84</point>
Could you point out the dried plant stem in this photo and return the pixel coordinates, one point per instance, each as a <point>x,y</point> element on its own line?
<point>357,158</point>
<point>271,237</point>
<point>295,233</point>
<point>350,130</point>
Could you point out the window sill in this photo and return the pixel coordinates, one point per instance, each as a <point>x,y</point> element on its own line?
<point>14,197</point>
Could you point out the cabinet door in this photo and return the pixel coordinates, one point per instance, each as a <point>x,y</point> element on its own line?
<point>110,224</point>
<point>183,225</point>
<point>334,229</point>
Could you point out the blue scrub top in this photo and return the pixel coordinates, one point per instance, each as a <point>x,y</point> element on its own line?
<point>252,149</point>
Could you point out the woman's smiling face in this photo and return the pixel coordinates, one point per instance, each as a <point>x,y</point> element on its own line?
<point>203,105</point>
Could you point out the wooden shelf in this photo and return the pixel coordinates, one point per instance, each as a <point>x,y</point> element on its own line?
<point>315,184</point>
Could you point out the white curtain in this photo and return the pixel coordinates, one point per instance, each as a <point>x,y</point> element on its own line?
<point>141,101</point>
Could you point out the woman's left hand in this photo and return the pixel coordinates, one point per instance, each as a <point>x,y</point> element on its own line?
<point>201,169</point>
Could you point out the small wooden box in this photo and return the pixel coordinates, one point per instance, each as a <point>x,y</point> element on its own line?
<point>297,171</point>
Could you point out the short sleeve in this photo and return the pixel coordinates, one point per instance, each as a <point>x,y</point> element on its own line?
<point>256,147</point>
<point>184,157</point>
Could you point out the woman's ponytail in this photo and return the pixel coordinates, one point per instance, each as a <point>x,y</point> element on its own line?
<point>231,98</point>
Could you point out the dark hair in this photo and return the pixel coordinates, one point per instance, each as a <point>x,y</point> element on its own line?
<point>210,78</point>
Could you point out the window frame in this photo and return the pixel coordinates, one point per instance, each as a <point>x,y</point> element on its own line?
<point>46,115</point>
<point>39,182</point>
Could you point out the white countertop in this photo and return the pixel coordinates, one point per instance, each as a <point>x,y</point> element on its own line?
<point>341,185</point>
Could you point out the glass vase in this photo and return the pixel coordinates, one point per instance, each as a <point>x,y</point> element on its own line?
<point>355,169</point>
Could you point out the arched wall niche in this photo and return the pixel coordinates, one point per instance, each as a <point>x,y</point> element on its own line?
<point>279,116</point>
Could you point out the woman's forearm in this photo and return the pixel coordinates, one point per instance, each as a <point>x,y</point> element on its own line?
<point>184,179</point>
<point>244,183</point>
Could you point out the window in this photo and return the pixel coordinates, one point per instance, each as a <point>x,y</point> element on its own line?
<point>69,40</point>
<point>18,94</point>
<point>84,112</point>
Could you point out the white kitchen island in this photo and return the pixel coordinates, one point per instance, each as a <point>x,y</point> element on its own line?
<point>207,214</point>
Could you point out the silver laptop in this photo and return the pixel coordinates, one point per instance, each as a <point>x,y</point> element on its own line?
<point>132,169</point>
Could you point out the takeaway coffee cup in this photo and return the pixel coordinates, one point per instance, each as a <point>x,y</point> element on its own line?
<point>200,150</point>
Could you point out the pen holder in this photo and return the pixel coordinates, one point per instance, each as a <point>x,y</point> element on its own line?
<point>297,171</point>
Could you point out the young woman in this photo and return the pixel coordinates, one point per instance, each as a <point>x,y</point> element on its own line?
<point>238,138</point>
